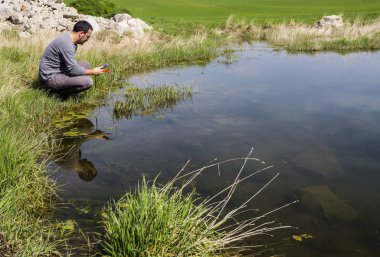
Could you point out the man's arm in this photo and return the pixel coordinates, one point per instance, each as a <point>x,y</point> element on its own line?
<point>73,69</point>
<point>68,54</point>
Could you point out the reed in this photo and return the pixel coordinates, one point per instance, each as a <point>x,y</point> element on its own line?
<point>150,100</point>
<point>171,221</point>
<point>292,36</point>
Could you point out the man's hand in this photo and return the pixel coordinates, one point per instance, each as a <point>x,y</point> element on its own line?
<point>95,71</point>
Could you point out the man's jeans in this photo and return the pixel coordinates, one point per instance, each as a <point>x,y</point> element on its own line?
<point>66,85</point>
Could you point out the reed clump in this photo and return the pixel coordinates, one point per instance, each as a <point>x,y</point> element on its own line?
<point>353,36</point>
<point>150,100</point>
<point>173,220</point>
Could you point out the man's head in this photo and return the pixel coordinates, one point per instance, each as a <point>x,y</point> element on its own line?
<point>82,30</point>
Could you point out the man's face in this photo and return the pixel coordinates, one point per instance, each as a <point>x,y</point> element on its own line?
<point>83,37</point>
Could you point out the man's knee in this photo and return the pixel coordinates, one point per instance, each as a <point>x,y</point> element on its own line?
<point>87,82</point>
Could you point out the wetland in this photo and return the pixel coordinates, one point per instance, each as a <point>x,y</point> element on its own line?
<point>315,118</point>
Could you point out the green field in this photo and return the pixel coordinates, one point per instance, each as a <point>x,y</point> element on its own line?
<point>261,10</point>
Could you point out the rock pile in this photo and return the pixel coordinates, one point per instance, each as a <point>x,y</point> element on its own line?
<point>334,21</point>
<point>30,16</point>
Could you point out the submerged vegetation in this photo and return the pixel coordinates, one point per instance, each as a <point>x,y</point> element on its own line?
<point>173,221</point>
<point>28,117</point>
<point>151,100</point>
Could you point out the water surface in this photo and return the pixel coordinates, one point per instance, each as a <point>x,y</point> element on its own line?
<point>316,118</point>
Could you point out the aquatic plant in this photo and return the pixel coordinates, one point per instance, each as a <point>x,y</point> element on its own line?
<point>148,101</point>
<point>171,221</point>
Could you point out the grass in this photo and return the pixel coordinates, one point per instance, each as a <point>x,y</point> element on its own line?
<point>26,191</point>
<point>293,37</point>
<point>183,17</point>
<point>307,11</point>
<point>151,100</point>
<point>177,16</point>
<point>155,221</point>
<point>171,221</point>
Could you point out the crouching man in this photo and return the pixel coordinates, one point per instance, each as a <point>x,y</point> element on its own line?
<point>59,72</point>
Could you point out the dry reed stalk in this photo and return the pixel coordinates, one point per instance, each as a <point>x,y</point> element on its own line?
<point>218,219</point>
<point>289,35</point>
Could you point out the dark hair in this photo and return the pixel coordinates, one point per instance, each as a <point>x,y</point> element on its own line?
<point>86,170</point>
<point>84,26</point>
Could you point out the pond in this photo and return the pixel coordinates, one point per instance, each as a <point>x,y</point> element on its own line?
<point>315,118</point>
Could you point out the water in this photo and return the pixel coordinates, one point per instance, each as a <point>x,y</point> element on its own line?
<point>316,118</point>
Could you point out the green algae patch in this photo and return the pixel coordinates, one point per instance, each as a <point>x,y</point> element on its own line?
<point>67,119</point>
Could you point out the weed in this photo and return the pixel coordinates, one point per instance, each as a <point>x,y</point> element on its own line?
<point>167,221</point>
<point>148,101</point>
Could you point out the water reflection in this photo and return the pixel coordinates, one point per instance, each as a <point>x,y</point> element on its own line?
<point>69,155</point>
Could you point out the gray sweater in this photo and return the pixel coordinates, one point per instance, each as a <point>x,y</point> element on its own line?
<point>59,57</point>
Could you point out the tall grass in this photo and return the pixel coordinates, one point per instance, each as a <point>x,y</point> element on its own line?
<point>25,195</point>
<point>353,36</point>
<point>26,191</point>
<point>171,221</point>
<point>151,100</point>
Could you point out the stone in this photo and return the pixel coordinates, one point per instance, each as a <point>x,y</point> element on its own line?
<point>334,21</point>
<point>16,19</point>
<point>321,200</point>
<point>122,27</point>
<point>25,8</point>
<point>30,16</point>
<point>137,32</point>
<point>5,12</point>
<point>121,17</point>
<point>94,23</point>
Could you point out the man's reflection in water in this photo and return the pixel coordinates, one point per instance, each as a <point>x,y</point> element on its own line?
<point>69,155</point>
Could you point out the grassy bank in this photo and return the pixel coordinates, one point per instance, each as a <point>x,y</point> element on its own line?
<point>26,192</point>
<point>353,36</point>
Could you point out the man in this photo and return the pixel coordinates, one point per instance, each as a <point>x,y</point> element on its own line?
<point>59,71</point>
